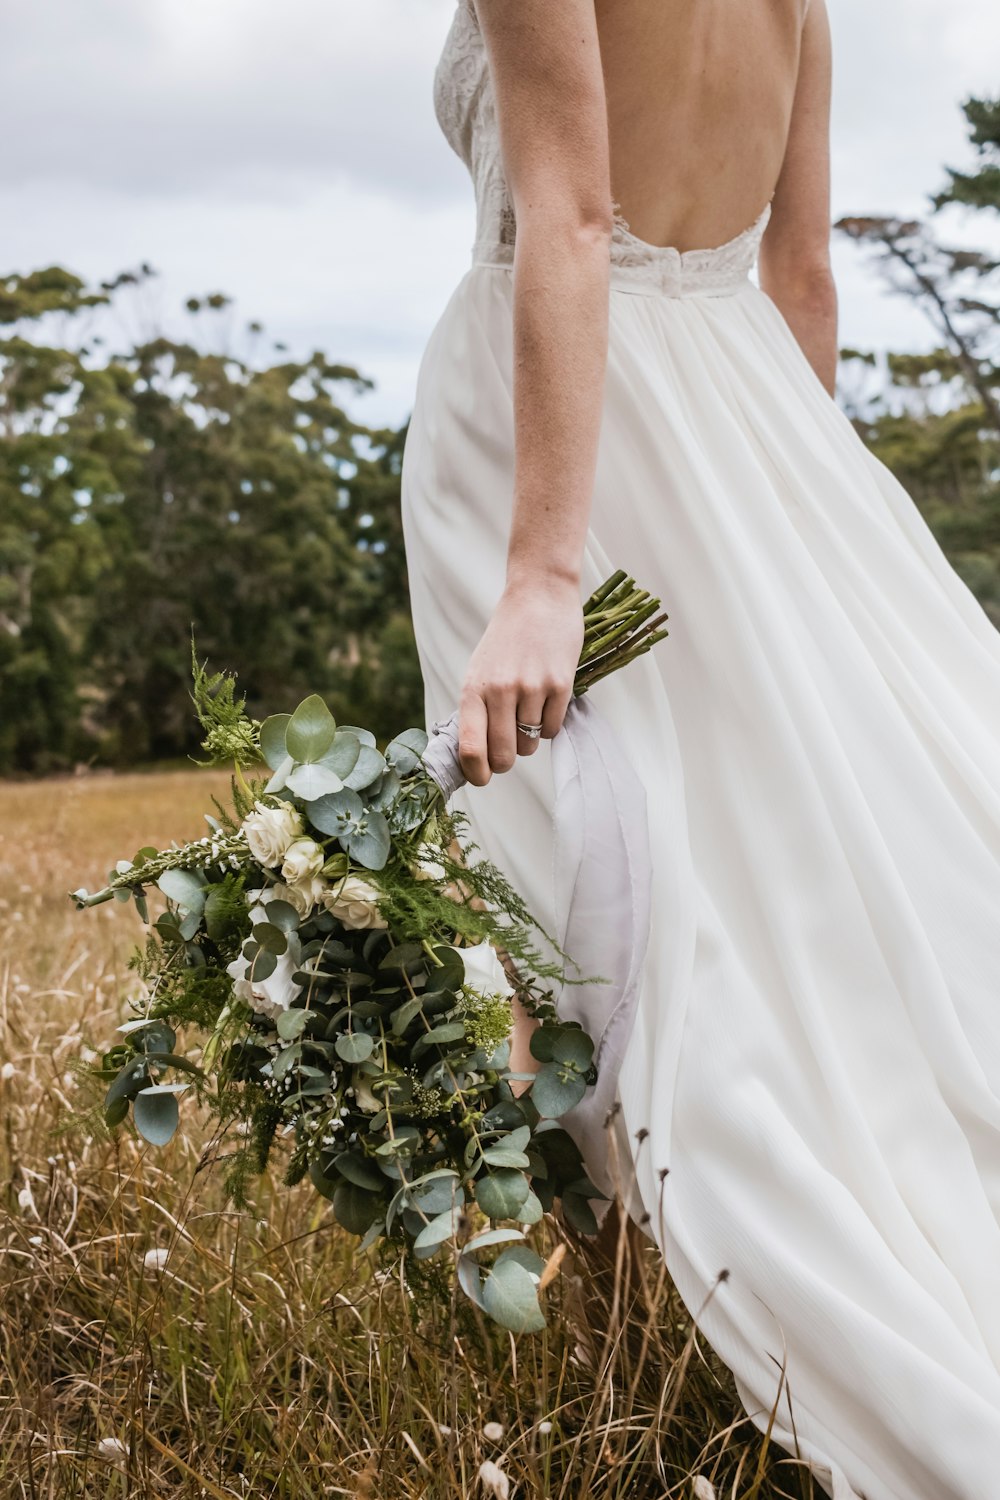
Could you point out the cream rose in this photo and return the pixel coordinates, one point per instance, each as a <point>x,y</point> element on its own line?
<point>302,861</point>
<point>484,972</point>
<point>270,830</point>
<point>303,895</point>
<point>353,902</point>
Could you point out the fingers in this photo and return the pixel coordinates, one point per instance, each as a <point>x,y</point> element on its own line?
<point>472,744</point>
<point>530,710</point>
<point>488,738</point>
<point>501,731</point>
<point>554,712</point>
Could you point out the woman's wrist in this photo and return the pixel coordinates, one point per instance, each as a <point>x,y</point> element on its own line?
<point>541,572</point>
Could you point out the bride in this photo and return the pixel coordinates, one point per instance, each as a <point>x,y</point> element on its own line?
<point>810,1096</point>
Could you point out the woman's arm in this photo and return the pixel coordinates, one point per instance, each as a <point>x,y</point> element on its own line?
<point>795,254</point>
<point>546,71</point>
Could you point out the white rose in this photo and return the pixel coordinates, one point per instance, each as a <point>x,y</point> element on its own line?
<point>270,996</point>
<point>484,972</point>
<point>270,830</point>
<point>353,902</point>
<point>426,867</point>
<point>302,861</point>
<point>304,895</point>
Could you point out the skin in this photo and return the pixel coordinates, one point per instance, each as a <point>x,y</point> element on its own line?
<point>689,116</point>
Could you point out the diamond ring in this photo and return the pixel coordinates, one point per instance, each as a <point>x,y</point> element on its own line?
<point>530,731</point>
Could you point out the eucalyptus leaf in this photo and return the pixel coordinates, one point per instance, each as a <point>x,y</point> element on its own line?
<point>282,914</point>
<point>442,1228</point>
<point>368,768</point>
<point>279,780</point>
<point>369,845</point>
<point>291,1024</point>
<point>356,1209</point>
<point>309,782</point>
<point>184,887</point>
<point>309,732</point>
<point>270,937</point>
<point>557,1089</point>
<point>354,1046</point>
<point>501,1193</point>
<point>364,735</point>
<point>470,1280</point>
<point>354,1166</point>
<point>342,755</point>
<point>272,739</point>
<point>510,1296</point>
<point>156,1115</point>
<point>336,812</point>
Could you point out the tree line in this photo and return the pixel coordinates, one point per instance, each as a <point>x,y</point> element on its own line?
<point>162,488</point>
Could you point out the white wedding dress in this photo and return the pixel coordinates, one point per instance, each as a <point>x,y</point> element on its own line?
<point>816,1053</point>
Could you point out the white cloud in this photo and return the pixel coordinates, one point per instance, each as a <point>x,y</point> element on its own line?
<point>291,158</point>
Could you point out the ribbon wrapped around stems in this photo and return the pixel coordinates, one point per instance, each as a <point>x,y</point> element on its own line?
<point>602,878</point>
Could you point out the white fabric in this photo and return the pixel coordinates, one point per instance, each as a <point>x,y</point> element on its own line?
<point>602,876</point>
<point>816,1053</point>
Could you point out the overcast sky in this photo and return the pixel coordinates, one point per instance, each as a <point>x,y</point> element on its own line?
<point>289,156</point>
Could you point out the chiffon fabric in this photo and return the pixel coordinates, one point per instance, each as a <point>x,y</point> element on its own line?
<point>810,1091</point>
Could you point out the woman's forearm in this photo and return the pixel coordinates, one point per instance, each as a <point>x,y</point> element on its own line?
<point>809,306</point>
<point>561,274</point>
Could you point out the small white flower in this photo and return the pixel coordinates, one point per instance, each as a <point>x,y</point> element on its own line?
<point>545,1428</point>
<point>701,1488</point>
<point>426,867</point>
<point>444,1430</point>
<point>484,972</point>
<point>26,1201</point>
<point>113,1449</point>
<point>353,902</point>
<point>493,1432</point>
<point>156,1259</point>
<point>303,895</point>
<point>302,861</point>
<point>270,830</point>
<point>7,1071</point>
<point>493,1480</point>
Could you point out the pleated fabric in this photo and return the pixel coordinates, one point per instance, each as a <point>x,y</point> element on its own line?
<point>810,1095</point>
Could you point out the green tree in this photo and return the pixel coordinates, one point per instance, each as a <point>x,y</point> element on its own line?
<point>162,489</point>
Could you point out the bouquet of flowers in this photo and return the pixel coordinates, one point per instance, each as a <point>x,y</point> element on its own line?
<point>347,964</point>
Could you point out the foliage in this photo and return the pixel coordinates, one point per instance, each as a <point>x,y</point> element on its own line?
<point>164,488</point>
<point>934,418</point>
<point>335,944</point>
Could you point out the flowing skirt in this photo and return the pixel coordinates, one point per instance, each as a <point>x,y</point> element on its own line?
<point>816,1053</point>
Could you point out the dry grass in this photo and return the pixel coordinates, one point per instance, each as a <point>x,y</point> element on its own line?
<point>261,1358</point>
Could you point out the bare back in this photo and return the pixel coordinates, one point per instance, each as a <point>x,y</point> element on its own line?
<point>699,103</point>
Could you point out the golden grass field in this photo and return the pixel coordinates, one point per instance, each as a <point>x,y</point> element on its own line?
<point>153,1342</point>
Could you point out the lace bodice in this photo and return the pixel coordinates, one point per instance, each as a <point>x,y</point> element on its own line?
<point>466,112</point>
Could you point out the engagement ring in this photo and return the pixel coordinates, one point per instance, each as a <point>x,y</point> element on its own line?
<point>530,731</point>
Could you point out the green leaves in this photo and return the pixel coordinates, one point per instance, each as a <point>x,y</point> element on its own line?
<point>310,730</point>
<point>156,1113</point>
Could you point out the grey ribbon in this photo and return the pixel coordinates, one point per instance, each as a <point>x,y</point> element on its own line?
<point>601,876</point>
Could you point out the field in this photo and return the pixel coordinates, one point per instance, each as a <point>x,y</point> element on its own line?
<point>153,1342</point>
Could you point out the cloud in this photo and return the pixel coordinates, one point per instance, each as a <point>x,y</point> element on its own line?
<point>290,157</point>
<point>229,98</point>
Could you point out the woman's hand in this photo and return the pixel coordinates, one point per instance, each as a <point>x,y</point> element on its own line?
<point>522,669</point>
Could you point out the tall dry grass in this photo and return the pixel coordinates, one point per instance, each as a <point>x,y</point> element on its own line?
<point>157,1343</point>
